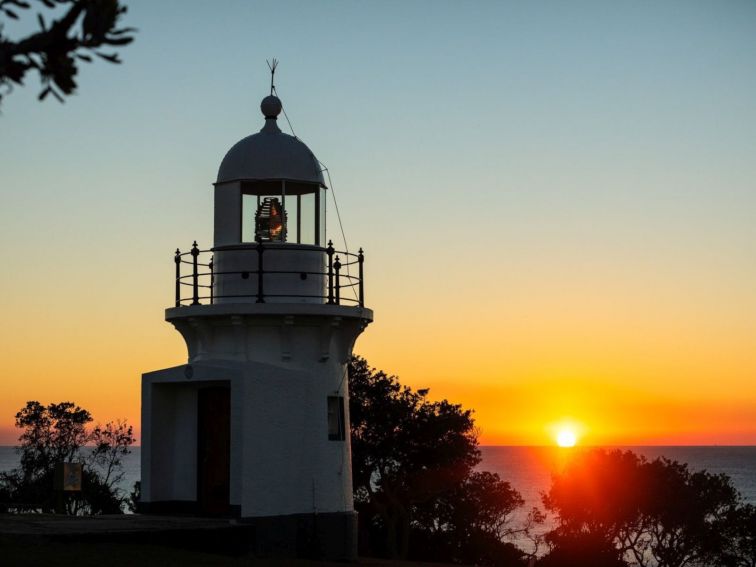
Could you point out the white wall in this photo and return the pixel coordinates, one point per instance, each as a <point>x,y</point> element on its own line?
<point>290,465</point>
<point>282,368</point>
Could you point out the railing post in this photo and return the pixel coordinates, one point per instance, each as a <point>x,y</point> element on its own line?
<point>177,259</point>
<point>212,278</point>
<point>361,261</point>
<point>195,275</point>
<point>260,250</point>
<point>329,251</point>
<point>337,267</point>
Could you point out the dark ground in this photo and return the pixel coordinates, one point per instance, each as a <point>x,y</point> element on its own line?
<point>79,554</point>
<point>126,541</point>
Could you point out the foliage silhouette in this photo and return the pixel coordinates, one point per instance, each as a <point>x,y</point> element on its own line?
<point>84,28</point>
<point>575,549</point>
<point>134,497</point>
<point>58,433</point>
<point>740,548</point>
<point>415,486</point>
<point>620,507</point>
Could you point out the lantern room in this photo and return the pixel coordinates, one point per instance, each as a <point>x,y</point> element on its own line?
<point>270,188</point>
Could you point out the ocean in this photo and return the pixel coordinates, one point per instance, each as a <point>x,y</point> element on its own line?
<point>529,469</point>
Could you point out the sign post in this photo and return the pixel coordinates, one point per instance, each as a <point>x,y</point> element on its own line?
<point>67,479</point>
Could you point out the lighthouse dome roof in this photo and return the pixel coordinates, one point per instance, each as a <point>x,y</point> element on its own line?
<point>270,154</point>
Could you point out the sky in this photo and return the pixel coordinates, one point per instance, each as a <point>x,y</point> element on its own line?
<point>557,202</point>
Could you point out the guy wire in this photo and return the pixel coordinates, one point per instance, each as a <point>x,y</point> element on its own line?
<point>333,195</point>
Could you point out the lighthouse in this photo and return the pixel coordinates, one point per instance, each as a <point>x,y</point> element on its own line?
<point>255,426</point>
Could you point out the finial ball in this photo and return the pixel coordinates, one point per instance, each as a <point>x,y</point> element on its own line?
<point>271,106</point>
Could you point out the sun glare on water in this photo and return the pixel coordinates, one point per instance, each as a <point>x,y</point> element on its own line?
<point>566,438</point>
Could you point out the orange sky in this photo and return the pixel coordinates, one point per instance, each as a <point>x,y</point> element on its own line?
<point>631,366</point>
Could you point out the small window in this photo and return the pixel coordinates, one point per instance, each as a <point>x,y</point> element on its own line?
<point>336,426</point>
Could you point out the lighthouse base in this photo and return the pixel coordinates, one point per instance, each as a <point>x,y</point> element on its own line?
<point>256,426</point>
<point>330,536</point>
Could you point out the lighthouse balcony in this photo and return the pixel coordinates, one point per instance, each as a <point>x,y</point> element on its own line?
<point>269,272</point>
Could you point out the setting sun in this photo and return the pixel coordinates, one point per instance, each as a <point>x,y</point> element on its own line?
<point>566,438</point>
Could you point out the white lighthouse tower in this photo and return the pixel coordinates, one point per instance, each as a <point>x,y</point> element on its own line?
<point>256,425</point>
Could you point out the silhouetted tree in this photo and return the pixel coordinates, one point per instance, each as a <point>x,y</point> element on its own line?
<point>415,486</point>
<point>82,30</point>
<point>469,523</point>
<point>575,549</point>
<point>134,497</point>
<point>621,507</point>
<point>58,433</point>
<point>111,444</point>
<point>741,541</point>
<point>688,514</point>
<point>598,500</point>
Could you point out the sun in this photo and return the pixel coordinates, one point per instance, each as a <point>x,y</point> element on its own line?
<point>566,437</point>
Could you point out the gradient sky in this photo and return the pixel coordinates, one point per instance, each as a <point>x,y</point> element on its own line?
<point>557,202</point>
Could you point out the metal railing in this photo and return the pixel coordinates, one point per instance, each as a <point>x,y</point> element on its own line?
<point>203,276</point>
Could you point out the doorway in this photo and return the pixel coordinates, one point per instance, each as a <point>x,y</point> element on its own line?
<point>213,450</point>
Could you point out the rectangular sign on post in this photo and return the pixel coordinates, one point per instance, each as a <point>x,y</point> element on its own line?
<point>68,477</point>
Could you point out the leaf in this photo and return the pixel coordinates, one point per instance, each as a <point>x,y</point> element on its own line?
<point>119,40</point>
<point>123,31</point>
<point>44,93</point>
<point>84,57</point>
<point>41,21</point>
<point>48,3</point>
<point>10,14</point>
<point>113,58</point>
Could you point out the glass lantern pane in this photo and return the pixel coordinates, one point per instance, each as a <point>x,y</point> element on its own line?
<point>249,207</point>
<point>307,219</point>
<point>323,212</point>
<point>292,218</point>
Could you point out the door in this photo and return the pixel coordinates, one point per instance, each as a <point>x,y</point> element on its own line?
<point>213,450</point>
